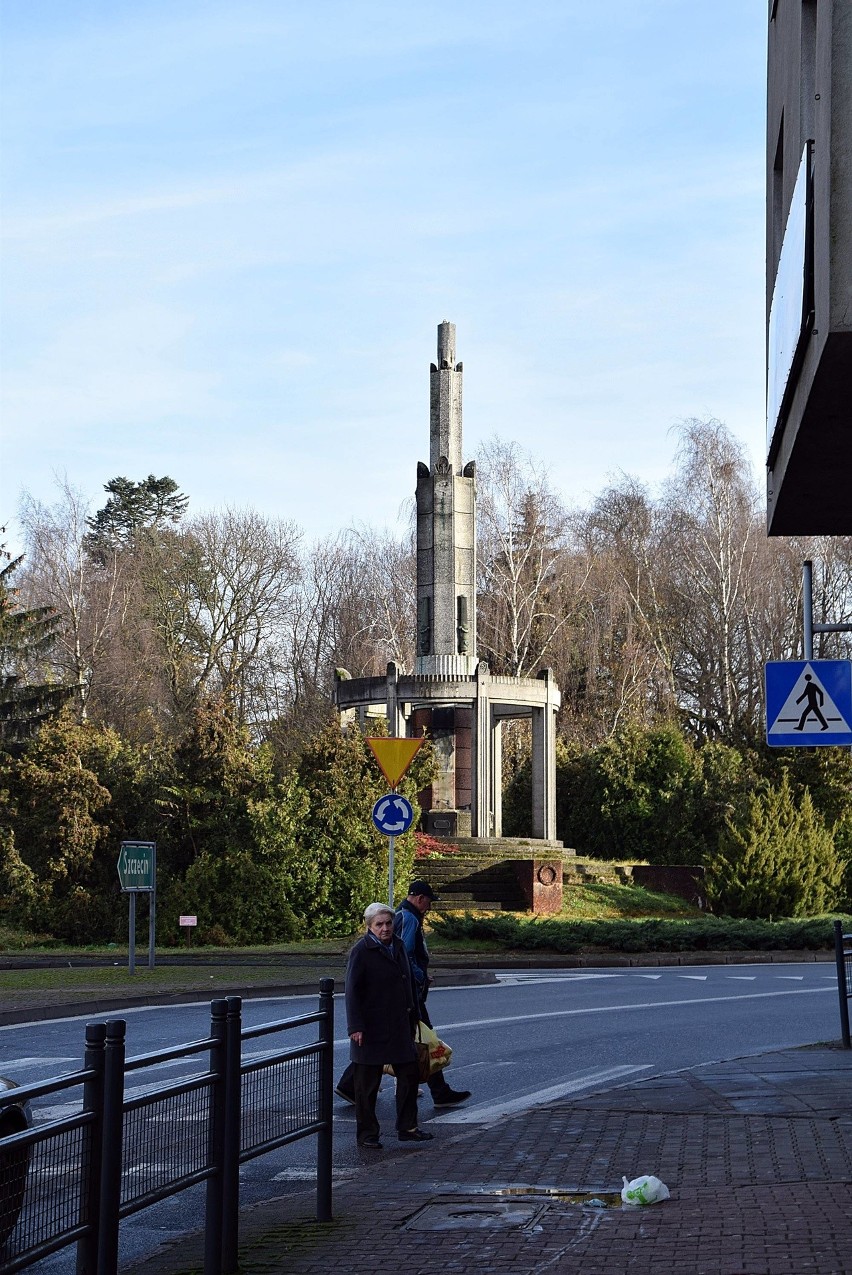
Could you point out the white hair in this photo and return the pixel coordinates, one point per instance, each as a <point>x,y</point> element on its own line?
<point>375,909</point>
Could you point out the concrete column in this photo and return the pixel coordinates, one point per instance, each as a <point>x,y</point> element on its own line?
<point>497,774</point>
<point>481,811</point>
<point>544,764</point>
<point>396,718</point>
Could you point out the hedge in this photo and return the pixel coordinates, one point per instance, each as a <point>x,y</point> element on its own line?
<point>704,934</point>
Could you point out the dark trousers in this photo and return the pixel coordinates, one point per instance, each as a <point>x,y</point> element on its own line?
<point>437,1082</point>
<point>366,1080</point>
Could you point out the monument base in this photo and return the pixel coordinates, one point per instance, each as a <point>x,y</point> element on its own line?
<point>447,823</point>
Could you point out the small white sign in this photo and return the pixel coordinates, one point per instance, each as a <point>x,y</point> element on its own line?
<point>188,920</point>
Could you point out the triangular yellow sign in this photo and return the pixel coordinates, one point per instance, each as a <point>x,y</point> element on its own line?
<point>393,755</point>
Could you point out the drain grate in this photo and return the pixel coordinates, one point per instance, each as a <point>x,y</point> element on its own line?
<point>587,1199</point>
<point>475,1214</point>
<point>492,1210</point>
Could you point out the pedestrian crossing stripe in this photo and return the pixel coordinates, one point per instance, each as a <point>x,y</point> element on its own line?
<point>808,702</point>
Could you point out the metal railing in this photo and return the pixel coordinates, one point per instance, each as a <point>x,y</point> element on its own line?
<point>843,957</point>
<point>76,1178</point>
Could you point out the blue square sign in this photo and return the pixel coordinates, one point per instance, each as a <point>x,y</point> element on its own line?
<point>808,703</point>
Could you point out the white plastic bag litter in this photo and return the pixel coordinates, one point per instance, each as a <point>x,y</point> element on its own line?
<point>644,1190</point>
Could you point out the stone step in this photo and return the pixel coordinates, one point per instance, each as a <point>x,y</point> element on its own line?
<point>467,903</point>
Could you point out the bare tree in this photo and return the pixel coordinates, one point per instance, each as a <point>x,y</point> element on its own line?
<point>714,536</point>
<point>626,643</point>
<point>90,599</point>
<point>220,591</point>
<point>523,596</point>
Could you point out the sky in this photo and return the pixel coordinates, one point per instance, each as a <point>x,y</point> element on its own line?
<point>230,230</point>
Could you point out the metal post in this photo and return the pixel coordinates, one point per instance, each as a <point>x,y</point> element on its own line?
<point>152,909</point>
<point>233,1118</point>
<point>842,985</point>
<point>90,1187</point>
<point>111,1144</point>
<point>808,608</point>
<point>131,938</point>
<point>325,1135</point>
<point>391,845</point>
<point>216,1143</point>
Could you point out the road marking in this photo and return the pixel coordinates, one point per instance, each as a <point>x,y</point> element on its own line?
<point>610,1009</point>
<point>19,1064</point>
<point>507,977</point>
<point>310,1175</point>
<point>172,1062</point>
<point>649,976</point>
<point>699,978</point>
<point>95,1015</point>
<point>743,978</point>
<point>495,1111</point>
<point>58,1111</point>
<point>796,978</point>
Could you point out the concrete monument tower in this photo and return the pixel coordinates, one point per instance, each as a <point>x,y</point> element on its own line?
<point>446,528</point>
<point>451,694</point>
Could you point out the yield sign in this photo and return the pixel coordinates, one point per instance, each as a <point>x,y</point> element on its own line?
<point>393,755</point>
<point>808,703</point>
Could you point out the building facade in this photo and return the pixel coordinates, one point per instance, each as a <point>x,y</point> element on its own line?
<point>809,267</point>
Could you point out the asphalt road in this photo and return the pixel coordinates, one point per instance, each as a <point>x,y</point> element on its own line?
<point>530,1038</point>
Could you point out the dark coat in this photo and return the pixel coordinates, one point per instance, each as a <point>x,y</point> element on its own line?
<point>380,1002</point>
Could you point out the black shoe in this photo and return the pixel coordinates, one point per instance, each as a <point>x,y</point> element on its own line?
<point>414,1135</point>
<point>347,1097</point>
<point>370,1143</point>
<point>451,1097</point>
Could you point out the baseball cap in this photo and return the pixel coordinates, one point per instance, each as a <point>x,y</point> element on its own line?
<point>423,887</point>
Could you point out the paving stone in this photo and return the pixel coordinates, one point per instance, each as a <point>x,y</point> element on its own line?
<point>762,1192</point>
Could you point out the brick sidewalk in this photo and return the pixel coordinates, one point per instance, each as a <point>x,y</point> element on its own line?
<point>757,1154</point>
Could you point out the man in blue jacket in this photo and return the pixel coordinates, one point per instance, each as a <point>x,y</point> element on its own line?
<point>408,925</point>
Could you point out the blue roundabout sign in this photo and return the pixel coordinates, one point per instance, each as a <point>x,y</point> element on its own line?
<point>393,815</point>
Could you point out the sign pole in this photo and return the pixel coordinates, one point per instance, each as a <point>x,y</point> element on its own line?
<point>131,957</point>
<point>393,814</point>
<point>808,609</point>
<point>137,874</point>
<point>152,911</point>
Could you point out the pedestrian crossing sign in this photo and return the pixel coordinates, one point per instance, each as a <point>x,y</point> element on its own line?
<point>808,703</point>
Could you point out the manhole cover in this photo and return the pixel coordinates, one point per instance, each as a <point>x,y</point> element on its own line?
<point>475,1215</point>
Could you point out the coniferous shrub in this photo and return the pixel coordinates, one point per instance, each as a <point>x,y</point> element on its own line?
<point>702,934</point>
<point>777,860</point>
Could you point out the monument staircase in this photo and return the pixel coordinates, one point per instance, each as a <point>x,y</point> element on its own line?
<point>481,875</point>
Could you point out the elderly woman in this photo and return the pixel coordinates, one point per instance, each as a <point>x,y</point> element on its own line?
<point>381,1017</point>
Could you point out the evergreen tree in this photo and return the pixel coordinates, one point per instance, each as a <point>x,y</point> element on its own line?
<point>343,860</point>
<point>778,861</point>
<point>227,836</point>
<point>131,508</point>
<point>60,858</point>
<point>25,636</point>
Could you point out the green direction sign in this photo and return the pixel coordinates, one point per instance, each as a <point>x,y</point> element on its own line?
<point>136,865</point>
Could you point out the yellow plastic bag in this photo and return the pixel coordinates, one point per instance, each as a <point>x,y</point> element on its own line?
<point>432,1053</point>
<point>439,1053</point>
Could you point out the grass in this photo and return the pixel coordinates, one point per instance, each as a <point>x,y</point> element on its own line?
<point>602,902</point>
<point>162,978</point>
<point>64,986</point>
<point>22,942</point>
